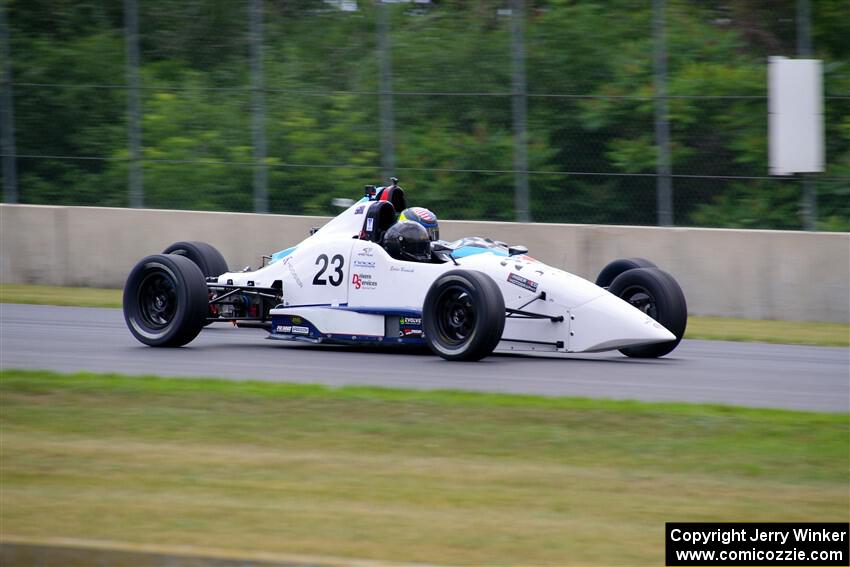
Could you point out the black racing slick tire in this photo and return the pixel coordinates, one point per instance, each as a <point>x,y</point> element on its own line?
<point>463,316</point>
<point>617,267</point>
<point>165,300</point>
<point>206,256</point>
<point>656,293</point>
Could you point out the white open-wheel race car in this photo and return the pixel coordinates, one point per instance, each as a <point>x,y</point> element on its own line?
<point>367,277</point>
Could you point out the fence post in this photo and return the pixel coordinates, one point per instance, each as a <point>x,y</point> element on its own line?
<point>7,116</point>
<point>664,181</point>
<point>385,79</point>
<point>131,40</point>
<point>258,108</point>
<point>804,50</point>
<point>520,112</point>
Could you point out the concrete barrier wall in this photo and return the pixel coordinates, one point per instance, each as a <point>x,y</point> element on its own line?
<point>754,274</point>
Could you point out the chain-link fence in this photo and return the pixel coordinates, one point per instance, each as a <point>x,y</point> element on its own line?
<point>282,106</point>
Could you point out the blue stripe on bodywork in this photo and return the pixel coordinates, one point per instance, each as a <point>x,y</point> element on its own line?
<point>328,305</point>
<point>282,254</point>
<point>461,252</point>
<point>465,251</point>
<point>313,334</point>
<point>374,340</point>
<point>347,340</point>
<point>388,311</point>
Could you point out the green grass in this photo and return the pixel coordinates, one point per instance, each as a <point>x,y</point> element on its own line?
<point>713,328</point>
<point>52,295</point>
<point>783,332</point>
<point>438,477</point>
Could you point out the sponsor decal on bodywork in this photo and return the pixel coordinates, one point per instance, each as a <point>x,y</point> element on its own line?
<point>363,281</point>
<point>294,275</point>
<point>293,326</point>
<point>366,264</point>
<point>522,282</point>
<point>410,326</point>
<point>359,210</point>
<point>367,251</point>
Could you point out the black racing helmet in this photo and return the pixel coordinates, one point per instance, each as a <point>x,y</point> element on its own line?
<point>408,240</point>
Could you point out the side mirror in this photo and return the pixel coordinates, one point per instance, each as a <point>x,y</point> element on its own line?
<point>517,249</point>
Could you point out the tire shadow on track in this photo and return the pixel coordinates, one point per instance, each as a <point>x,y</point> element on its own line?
<point>259,340</point>
<point>424,352</point>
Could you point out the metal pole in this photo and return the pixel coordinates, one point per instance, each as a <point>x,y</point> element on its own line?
<point>258,109</point>
<point>664,181</point>
<point>134,136</point>
<point>520,112</point>
<point>386,117</point>
<point>804,50</point>
<point>804,41</point>
<point>7,115</point>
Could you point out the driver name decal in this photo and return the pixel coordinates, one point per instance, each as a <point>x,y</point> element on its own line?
<point>522,282</point>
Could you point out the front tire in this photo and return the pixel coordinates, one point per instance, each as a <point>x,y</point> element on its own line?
<point>206,256</point>
<point>463,316</point>
<point>656,293</point>
<point>165,300</point>
<point>617,267</point>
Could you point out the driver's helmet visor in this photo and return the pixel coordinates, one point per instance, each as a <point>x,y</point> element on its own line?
<point>417,250</point>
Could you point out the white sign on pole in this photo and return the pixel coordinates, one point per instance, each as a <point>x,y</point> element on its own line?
<point>795,115</point>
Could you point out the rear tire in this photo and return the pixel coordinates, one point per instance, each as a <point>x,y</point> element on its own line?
<point>656,293</point>
<point>463,316</point>
<point>206,256</point>
<point>617,267</point>
<point>165,300</point>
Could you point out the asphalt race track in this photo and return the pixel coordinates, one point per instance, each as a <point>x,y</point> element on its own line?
<point>68,339</point>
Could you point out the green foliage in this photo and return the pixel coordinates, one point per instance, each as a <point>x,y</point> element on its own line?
<point>322,115</point>
<point>70,119</point>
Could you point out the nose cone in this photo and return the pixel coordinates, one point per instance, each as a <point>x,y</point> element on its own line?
<point>608,322</point>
